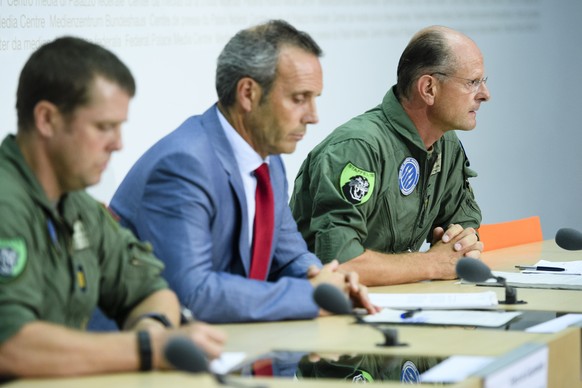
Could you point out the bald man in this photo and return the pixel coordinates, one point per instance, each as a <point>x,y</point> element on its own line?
<point>387,180</point>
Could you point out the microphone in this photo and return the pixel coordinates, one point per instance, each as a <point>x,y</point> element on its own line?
<point>184,355</point>
<point>476,271</point>
<point>569,239</point>
<point>473,270</point>
<point>332,299</point>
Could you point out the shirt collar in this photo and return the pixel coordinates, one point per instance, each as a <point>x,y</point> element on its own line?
<point>247,158</point>
<point>399,119</point>
<point>10,151</point>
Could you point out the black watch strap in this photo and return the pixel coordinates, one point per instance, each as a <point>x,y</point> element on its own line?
<point>156,316</point>
<point>144,346</point>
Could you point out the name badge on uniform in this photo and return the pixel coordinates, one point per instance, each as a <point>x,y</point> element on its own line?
<point>409,373</point>
<point>80,239</point>
<point>437,165</point>
<point>408,175</point>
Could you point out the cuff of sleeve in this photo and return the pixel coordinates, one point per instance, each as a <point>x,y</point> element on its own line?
<point>14,317</point>
<point>330,246</point>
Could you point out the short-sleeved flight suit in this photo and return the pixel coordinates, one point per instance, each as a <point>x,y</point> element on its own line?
<point>59,261</point>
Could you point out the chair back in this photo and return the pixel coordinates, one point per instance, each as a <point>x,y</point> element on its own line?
<point>510,233</point>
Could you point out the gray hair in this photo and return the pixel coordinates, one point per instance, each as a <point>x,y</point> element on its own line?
<point>254,53</point>
<point>428,52</point>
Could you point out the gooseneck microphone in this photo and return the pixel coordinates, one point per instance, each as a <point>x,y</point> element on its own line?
<point>184,355</point>
<point>332,299</point>
<point>569,239</point>
<point>476,271</point>
<point>473,270</point>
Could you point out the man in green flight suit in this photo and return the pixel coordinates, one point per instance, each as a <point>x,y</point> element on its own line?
<point>384,182</point>
<point>61,253</point>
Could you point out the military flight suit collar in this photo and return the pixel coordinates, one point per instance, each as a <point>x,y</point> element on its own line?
<point>16,159</point>
<point>401,123</point>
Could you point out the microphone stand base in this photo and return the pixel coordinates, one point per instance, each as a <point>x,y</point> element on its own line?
<point>390,338</point>
<point>510,302</point>
<point>390,345</point>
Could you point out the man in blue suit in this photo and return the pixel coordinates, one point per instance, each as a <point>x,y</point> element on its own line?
<point>192,195</point>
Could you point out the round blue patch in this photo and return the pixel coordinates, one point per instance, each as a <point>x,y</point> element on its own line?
<point>409,373</point>
<point>408,175</point>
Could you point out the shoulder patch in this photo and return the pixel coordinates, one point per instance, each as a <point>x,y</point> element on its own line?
<point>357,185</point>
<point>13,258</point>
<point>362,378</point>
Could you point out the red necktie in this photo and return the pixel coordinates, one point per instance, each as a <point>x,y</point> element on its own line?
<point>263,367</point>
<point>264,222</point>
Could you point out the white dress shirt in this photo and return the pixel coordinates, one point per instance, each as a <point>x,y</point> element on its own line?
<point>248,160</point>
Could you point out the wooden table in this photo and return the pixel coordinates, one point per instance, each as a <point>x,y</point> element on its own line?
<point>339,334</point>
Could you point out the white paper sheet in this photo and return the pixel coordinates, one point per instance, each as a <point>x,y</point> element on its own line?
<point>555,325</point>
<point>433,301</point>
<point>571,267</point>
<point>455,369</point>
<point>537,280</point>
<point>445,317</point>
<point>226,362</point>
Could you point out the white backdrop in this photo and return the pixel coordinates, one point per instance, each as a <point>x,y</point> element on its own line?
<point>525,146</point>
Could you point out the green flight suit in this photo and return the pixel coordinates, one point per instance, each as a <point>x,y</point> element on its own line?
<point>58,263</point>
<point>371,184</point>
<point>369,368</point>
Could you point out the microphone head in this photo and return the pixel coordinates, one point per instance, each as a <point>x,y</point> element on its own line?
<point>332,299</point>
<point>473,270</point>
<point>569,239</point>
<point>184,355</point>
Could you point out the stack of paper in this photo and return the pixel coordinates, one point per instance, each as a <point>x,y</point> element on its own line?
<point>538,280</point>
<point>570,279</point>
<point>475,300</point>
<point>444,317</point>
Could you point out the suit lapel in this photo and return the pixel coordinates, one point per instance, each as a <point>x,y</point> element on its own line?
<point>225,154</point>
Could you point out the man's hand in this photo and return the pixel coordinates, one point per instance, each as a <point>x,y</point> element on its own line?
<point>348,282</point>
<point>450,245</point>
<point>209,339</point>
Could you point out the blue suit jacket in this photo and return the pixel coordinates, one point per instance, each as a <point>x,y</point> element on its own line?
<point>185,195</point>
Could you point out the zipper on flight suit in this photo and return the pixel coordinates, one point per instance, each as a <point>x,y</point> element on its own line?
<point>425,200</point>
<point>392,247</point>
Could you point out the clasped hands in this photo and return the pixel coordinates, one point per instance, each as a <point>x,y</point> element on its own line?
<point>348,282</point>
<point>457,239</point>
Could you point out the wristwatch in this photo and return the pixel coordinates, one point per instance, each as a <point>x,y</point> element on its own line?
<point>144,347</point>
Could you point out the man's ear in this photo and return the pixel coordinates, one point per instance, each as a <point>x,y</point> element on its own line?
<point>427,87</point>
<point>46,117</point>
<point>248,93</point>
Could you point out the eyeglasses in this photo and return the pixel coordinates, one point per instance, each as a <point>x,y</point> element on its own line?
<point>472,84</point>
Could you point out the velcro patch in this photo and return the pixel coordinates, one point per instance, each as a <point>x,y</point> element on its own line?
<point>13,258</point>
<point>356,184</point>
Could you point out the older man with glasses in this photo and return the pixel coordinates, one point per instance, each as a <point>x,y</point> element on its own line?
<point>411,169</point>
